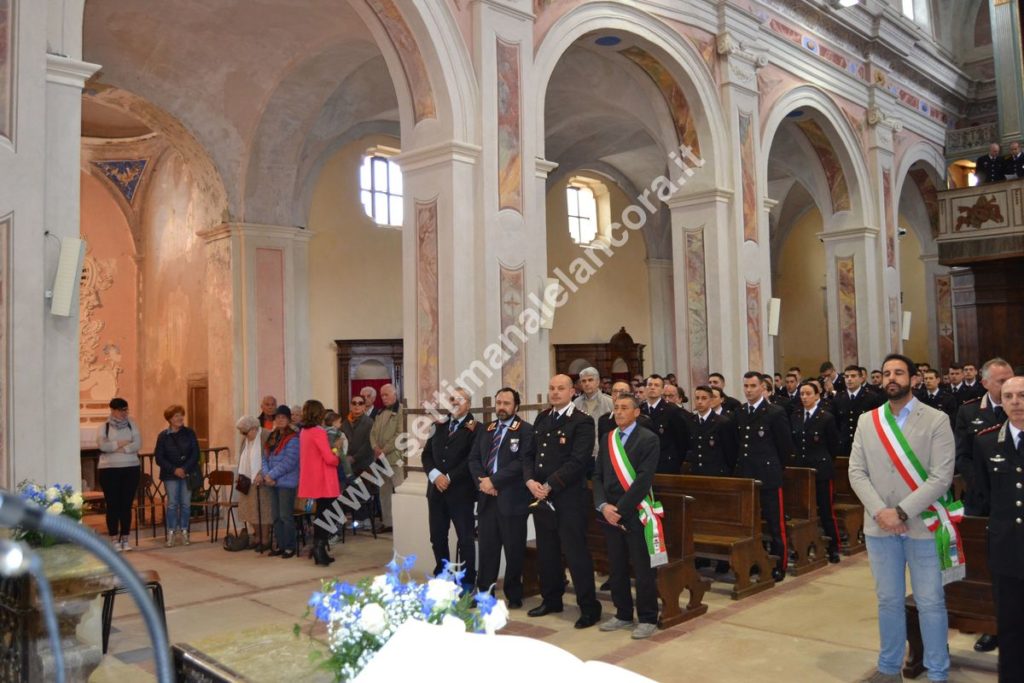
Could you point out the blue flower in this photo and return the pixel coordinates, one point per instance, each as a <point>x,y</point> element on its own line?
<point>315,599</point>
<point>408,563</point>
<point>485,602</point>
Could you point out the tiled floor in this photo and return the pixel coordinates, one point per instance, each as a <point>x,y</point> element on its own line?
<point>816,628</point>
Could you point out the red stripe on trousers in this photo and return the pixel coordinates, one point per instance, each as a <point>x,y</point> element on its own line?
<point>832,505</point>
<point>782,524</point>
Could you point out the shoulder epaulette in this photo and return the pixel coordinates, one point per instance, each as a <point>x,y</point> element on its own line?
<point>515,425</point>
<point>471,424</point>
<point>491,427</point>
<point>986,430</point>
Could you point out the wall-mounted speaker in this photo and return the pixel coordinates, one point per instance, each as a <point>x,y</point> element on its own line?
<point>68,277</point>
<point>774,308</point>
<point>906,325</point>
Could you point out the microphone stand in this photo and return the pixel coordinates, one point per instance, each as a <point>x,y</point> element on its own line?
<point>14,512</point>
<point>15,559</point>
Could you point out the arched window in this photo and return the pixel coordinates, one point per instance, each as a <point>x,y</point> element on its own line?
<point>588,209</point>
<point>380,187</point>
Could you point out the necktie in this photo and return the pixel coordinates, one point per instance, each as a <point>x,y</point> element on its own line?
<point>492,456</point>
<point>453,426</point>
<point>807,416</point>
<point>750,410</point>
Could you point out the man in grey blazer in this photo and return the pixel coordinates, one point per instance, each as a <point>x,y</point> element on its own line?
<point>895,532</point>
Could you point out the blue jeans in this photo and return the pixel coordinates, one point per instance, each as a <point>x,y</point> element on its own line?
<point>890,556</point>
<point>282,509</point>
<point>179,504</point>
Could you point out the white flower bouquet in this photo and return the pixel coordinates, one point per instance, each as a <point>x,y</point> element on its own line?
<point>361,617</point>
<point>58,499</point>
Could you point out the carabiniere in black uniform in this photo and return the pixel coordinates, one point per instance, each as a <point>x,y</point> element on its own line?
<point>816,439</point>
<point>670,424</point>
<point>999,479</point>
<point>565,446</point>
<point>764,446</point>
<point>712,450</point>
<point>447,452</point>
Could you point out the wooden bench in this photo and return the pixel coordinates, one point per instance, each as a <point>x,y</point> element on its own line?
<point>726,521</point>
<point>806,543</point>
<point>969,602</point>
<point>679,574</point>
<point>848,509</point>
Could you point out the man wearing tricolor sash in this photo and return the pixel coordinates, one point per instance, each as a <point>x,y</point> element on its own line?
<point>631,517</point>
<point>901,467</point>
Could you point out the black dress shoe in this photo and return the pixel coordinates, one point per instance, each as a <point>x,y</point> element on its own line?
<point>287,554</point>
<point>587,620</point>
<point>833,557</point>
<point>515,604</point>
<point>606,586</point>
<point>778,575</point>
<point>275,552</point>
<point>986,643</point>
<point>542,609</point>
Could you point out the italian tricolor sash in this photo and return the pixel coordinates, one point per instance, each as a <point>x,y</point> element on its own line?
<point>650,510</point>
<point>943,515</point>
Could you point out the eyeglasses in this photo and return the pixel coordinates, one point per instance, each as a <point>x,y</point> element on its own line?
<point>358,403</point>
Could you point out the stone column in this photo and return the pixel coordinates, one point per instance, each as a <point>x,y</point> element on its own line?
<point>257,278</point>
<point>932,270</point>
<point>1006,53</point>
<point>849,293</point>
<point>663,333</point>
<point>885,311</point>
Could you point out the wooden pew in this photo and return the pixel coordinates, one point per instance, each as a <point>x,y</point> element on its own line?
<point>679,574</point>
<point>726,522</point>
<point>809,548</point>
<point>848,509</point>
<point>969,602</point>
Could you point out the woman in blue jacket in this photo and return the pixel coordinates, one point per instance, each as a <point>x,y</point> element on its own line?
<point>281,473</point>
<point>177,454</point>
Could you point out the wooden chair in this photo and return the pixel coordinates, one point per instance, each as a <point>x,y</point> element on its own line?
<point>213,502</point>
<point>151,580</point>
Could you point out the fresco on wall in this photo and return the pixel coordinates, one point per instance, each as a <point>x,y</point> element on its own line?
<point>929,195</point>
<point>512,292</point>
<point>895,323</point>
<point>678,107</point>
<point>755,352</point>
<point>124,175</point>
<point>6,69</point>
<point>409,54</point>
<point>98,367</point>
<point>845,279</point>
<point>427,341</point>
<point>834,176</point>
<point>890,219</point>
<point>749,186</point>
<point>268,269</point>
<point>697,307</point>
<point>944,319</point>
<point>510,159</point>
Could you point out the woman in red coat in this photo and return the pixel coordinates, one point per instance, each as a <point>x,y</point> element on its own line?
<point>318,473</point>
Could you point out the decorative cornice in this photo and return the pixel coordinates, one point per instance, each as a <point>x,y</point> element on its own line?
<point>440,153</point>
<point>728,46</point>
<point>716,194</point>
<point>877,117</point>
<point>848,234</point>
<point>543,167</point>
<point>252,230</point>
<point>70,72</point>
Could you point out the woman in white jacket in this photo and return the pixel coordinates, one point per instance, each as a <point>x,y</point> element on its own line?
<point>119,441</point>
<point>256,514</point>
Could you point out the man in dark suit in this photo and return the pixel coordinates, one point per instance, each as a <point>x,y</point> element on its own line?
<point>617,500</point>
<point>712,448</point>
<point>816,439</point>
<point>974,387</point>
<point>998,461</point>
<point>1013,165</point>
<point>831,381</point>
<point>670,424</point>
<point>851,403</point>
<point>989,168</point>
<point>556,476</point>
<point>765,445</point>
<point>451,491</point>
<point>716,380</point>
<point>790,393</point>
<point>938,398</point>
<point>369,395</point>
<point>975,416</point>
<point>496,465</point>
<point>606,422</point>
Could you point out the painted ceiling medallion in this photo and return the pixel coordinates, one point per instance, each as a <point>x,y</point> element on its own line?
<point>125,175</point>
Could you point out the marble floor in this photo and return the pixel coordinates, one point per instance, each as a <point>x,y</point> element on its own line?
<point>816,628</point>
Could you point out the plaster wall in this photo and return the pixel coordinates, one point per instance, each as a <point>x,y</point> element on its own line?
<point>355,273</point>
<point>800,284</point>
<point>110,365</point>
<point>174,320</point>
<point>617,295</point>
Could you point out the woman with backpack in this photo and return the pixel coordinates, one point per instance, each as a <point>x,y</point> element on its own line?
<point>177,454</point>
<point>119,442</point>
